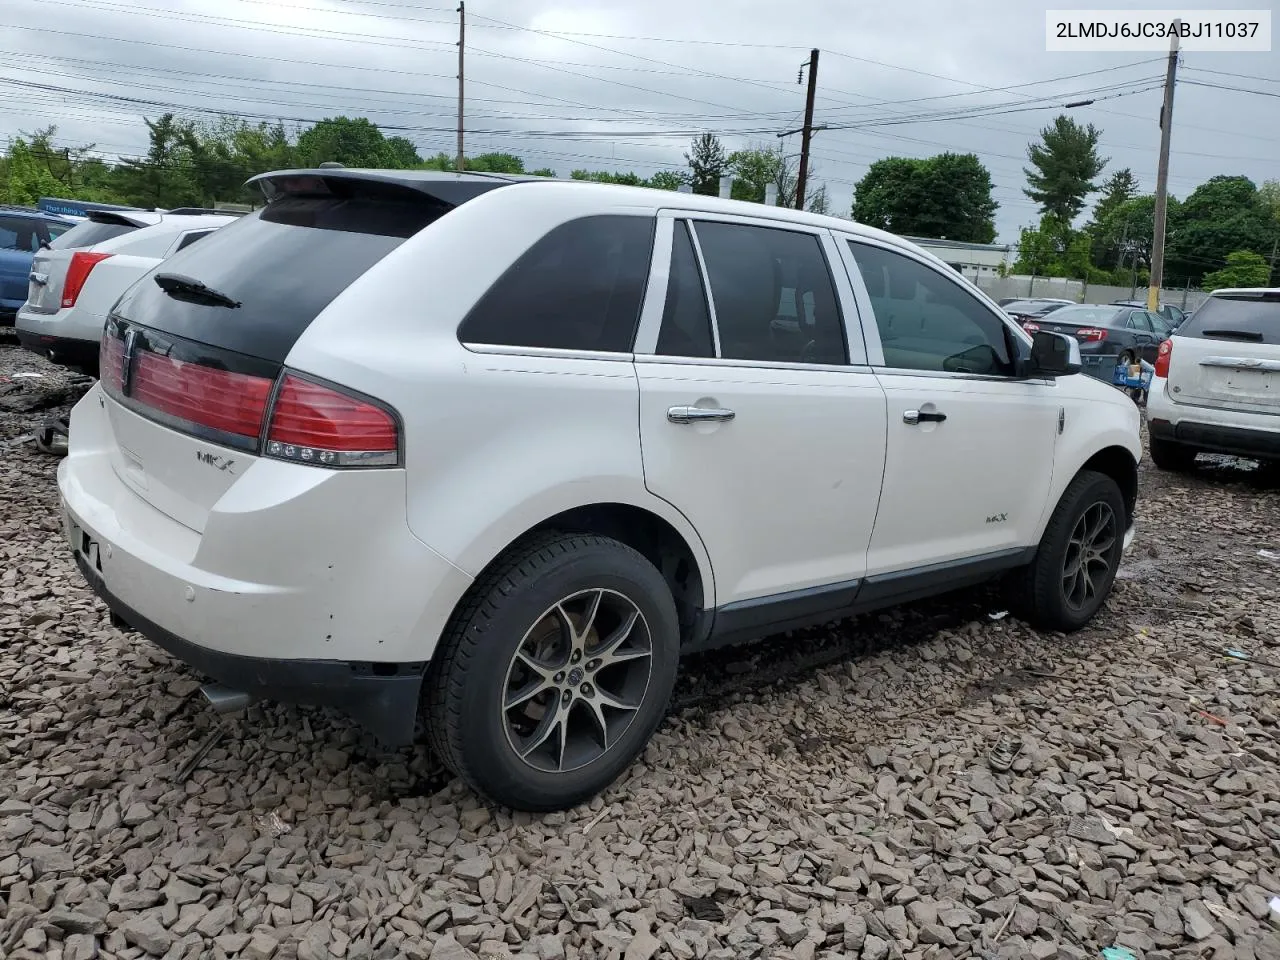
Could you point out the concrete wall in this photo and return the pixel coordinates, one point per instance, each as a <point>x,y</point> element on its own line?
<point>1000,287</point>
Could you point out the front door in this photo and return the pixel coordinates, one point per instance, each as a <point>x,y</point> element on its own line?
<point>970,448</point>
<point>753,421</point>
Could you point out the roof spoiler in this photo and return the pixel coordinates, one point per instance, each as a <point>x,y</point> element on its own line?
<point>117,217</point>
<point>199,211</point>
<point>448,188</point>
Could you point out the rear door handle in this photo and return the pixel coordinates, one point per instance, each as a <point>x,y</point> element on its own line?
<point>916,416</point>
<point>699,414</point>
<point>39,279</point>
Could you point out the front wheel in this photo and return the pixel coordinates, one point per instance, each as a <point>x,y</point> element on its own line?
<point>1075,565</point>
<point>554,672</point>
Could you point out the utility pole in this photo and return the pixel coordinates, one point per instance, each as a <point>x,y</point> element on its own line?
<point>462,42</point>
<point>806,132</point>
<point>1162,178</point>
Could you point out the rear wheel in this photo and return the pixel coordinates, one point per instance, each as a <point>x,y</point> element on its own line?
<point>1076,562</point>
<point>1173,456</point>
<point>554,672</point>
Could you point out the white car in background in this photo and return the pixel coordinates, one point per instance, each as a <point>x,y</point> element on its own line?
<point>1217,381</point>
<point>75,280</point>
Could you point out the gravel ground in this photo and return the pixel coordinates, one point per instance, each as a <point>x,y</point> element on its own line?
<point>822,795</point>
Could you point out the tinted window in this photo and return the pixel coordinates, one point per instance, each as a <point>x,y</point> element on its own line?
<point>928,322</point>
<point>1138,320</point>
<point>1160,325</point>
<point>284,263</point>
<point>191,238</point>
<point>1248,318</point>
<point>90,233</point>
<point>773,295</point>
<point>578,288</point>
<point>686,321</point>
<point>57,229</point>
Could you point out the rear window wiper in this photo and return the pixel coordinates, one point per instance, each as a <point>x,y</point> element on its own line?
<point>185,288</point>
<point>1251,335</point>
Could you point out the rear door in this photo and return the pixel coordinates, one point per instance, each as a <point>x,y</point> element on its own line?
<point>1228,353</point>
<point>1144,334</point>
<point>19,239</point>
<point>759,418</point>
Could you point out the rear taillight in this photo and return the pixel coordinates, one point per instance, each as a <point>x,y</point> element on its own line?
<point>312,423</point>
<point>1092,334</point>
<point>77,273</point>
<point>1163,358</point>
<point>111,361</point>
<point>1030,326</point>
<point>230,403</point>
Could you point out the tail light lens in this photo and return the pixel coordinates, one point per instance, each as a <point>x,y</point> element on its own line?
<point>312,423</point>
<point>1030,326</point>
<point>77,273</point>
<point>1163,358</point>
<point>230,403</point>
<point>1092,334</point>
<point>308,422</point>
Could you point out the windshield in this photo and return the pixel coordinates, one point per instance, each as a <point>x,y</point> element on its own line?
<point>88,234</point>
<point>1250,317</point>
<point>1086,316</point>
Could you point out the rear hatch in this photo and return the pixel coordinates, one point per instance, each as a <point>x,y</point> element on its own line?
<point>49,266</point>
<point>1228,353</point>
<point>193,353</point>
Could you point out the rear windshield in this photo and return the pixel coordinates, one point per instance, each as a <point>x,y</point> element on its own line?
<point>1085,316</point>
<point>89,234</point>
<point>282,264</point>
<point>1244,317</point>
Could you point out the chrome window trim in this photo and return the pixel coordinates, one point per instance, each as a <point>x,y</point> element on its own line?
<point>730,363</point>
<point>551,352</point>
<point>655,291</point>
<point>707,293</point>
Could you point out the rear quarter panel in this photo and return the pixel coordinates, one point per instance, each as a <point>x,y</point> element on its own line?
<point>495,442</point>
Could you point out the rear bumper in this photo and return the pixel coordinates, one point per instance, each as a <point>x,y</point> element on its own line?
<point>80,354</point>
<point>302,584</point>
<point>381,697</point>
<point>1212,429</point>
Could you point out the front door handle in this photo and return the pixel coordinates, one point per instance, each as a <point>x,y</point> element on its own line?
<point>917,416</point>
<point>699,414</point>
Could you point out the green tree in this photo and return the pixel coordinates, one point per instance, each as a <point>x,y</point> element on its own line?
<point>944,196</point>
<point>1041,249</point>
<point>1244,269</point>
<point>1225,214</point>
<point>166,176</point>
<point>27,177</point>
<point>353,142</point>
<point>1120,188</point>
<point>1066,162</point>
<point>542,172</point>
<point>667,180</point>
<point>818,201</point>
<point>707,164</point>
<point>402,153</point>
<point>496,163</point>
<point>753,170</point>
<point>1269,194</point>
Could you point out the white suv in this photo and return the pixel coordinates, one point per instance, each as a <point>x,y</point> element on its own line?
<point>494,452</point>
<point>1217,381</point>
<point>75,280</point>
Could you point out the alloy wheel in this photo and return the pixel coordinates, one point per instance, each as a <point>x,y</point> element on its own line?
<point>1088,559</point>
<point>577,680</point>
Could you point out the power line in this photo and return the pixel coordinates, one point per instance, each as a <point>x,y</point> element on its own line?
<point>1238,76</point>
<point>1223,86</point>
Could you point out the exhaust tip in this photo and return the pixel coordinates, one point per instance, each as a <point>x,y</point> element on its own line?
<point>224,700</point>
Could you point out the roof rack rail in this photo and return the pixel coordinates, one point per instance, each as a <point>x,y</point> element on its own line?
<point>196,211</point>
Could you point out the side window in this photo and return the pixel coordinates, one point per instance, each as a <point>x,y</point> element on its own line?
<point>773,294</point>
<point>686,321</point>
<point>15,234</point>
<point>928,322</point>
<point>578,288</point>
<point>1140,320</point>
<point>190,238</point>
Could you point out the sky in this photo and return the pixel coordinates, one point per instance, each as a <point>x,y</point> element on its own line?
<point>622,86</point>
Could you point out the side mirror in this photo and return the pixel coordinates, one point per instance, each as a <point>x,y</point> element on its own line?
<point>1052,355</point>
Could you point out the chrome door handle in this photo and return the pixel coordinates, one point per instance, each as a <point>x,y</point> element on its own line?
<point>40,279</point>
<point>699,414</point>
<point>915,416</point>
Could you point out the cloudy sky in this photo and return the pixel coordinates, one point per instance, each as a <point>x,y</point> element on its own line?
<point>616,85</point>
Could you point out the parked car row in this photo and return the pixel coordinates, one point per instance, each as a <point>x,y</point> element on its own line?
<point>491,453</point>
<point>23,231</point>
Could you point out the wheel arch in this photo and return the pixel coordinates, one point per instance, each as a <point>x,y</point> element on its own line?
<point>1119,464</point>
<point>671,545</point>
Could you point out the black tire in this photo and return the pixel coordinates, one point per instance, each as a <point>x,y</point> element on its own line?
<point>1040,591</point>
<point>1171,455</point>
<point>467,681</point>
